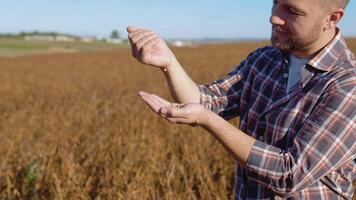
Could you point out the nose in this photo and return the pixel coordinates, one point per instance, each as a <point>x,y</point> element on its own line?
<point>276,16</point>
<point>276,20</point>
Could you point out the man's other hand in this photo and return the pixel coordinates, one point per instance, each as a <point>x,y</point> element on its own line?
<point>148,48</point>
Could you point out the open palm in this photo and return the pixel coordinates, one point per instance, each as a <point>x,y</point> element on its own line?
<point>190,113</point>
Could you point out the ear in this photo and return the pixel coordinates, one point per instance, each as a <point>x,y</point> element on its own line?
<point>334,17</point>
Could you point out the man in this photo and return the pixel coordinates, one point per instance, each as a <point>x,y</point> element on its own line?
<point>296,101</point>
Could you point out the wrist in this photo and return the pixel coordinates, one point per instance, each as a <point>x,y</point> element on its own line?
<point>170,65</point>
<point>206,118</point>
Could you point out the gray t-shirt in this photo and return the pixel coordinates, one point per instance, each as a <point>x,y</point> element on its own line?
<point>295,67</point>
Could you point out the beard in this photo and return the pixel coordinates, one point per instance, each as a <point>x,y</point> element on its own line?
<point>291,43</point>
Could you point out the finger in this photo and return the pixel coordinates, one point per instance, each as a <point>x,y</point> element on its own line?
<point>135,37</point>
<point>181,121</point>
<point>141,44</point>
<point>132,43</point>
<point>152,103</point>
<point>177,120</point>
<point>173,112</point>
<point>138,40</point>
<point>131,29</point>
<point>132,34</point>
<point>158,100</point>
<point>150,43</point>
<point>143,50</point>
<point>142,93</point>
<point>134,50</point>
<point>161,100</point>
<point>145,55</point>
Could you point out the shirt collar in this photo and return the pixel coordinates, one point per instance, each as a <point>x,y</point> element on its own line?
<point>329,55</point>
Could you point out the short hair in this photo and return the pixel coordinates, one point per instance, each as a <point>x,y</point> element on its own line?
<point>338,3</point>
<point>342,3</point>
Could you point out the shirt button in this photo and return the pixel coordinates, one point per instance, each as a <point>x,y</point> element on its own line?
<point>261,138</point>
<point>285,75</point>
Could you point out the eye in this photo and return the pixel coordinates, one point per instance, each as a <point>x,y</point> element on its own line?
<point>293,12</point>
<point>275,2</point>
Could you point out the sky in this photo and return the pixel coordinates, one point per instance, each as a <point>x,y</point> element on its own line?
<point>195,19</point>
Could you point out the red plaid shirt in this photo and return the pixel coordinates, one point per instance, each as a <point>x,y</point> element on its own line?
<point>305,147</point>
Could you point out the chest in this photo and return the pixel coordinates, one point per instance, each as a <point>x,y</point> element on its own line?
<point>272,115</point>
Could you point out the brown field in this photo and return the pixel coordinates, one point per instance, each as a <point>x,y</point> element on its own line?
<point>73,127</point>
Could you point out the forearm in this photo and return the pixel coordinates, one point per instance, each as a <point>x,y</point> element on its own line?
<point>241,146</point>
<point>284,172</point>
<point>181,86</point>
<point>236,142</point>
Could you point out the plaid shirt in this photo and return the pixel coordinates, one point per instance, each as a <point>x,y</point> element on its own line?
<point>305,139</point>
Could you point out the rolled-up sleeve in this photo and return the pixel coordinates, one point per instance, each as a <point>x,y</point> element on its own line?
<point>325,142</point>
<point>223,96</point>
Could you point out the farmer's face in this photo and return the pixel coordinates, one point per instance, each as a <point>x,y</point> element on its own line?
<point>296,24</point>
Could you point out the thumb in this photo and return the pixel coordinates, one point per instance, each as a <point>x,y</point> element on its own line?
<point>173,112</point>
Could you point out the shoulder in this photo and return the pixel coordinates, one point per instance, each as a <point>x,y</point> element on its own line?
<point>343,76</point>
<point>345,68</point>
<point>347,60</point>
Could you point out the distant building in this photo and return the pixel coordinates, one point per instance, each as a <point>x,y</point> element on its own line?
<point>87,39</point>
<point>180,43</point>
<point>63,38</point>
<point>47,38</point>
<point>114,40</point>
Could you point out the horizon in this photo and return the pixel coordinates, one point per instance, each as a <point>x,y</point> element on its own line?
<point>202,19</point>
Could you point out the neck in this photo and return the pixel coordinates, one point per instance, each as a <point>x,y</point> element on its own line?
<point>315,47</point>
